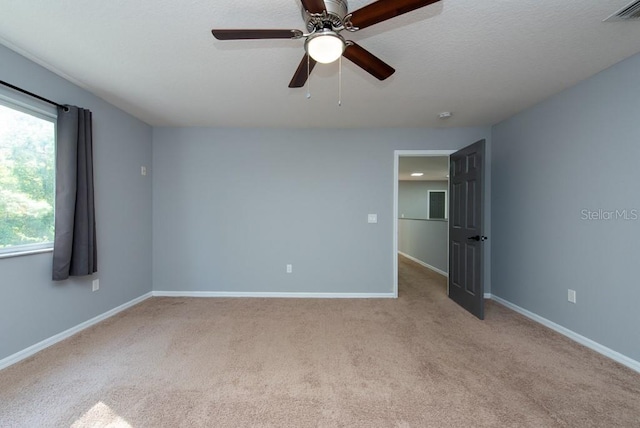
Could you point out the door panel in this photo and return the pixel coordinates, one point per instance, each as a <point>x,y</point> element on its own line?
<point>466,228</point>
<point>470,283</point>
<point>471,212</point>
<point>454,275</point>
<point>455,211</point>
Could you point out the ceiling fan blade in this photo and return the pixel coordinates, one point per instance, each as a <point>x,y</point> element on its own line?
<point>301,74</point>
<point>255,34</point>
<point>382,10</point>
<point>368,61</point>
<point>313,6</point>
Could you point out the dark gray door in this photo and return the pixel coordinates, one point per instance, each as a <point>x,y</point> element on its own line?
<point>466,179</point>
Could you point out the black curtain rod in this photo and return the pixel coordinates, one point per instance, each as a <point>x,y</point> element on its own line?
<point>31,94</point>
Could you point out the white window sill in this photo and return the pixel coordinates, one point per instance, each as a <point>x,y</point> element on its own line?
<point>19,253</point>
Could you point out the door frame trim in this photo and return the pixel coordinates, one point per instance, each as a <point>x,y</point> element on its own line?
<point>396,164</point>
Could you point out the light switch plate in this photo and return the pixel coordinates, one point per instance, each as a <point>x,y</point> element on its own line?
<point>372,218</point>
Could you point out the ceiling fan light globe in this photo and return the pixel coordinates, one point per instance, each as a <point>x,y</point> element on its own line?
<point>325,48</point>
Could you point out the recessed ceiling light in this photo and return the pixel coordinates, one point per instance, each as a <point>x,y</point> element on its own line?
<point>445,115</point>
<point>417,174</point>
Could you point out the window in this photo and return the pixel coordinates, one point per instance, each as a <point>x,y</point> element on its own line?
<point>437,204</point>
<point>27,174</point>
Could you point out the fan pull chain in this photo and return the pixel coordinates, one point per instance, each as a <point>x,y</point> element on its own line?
<point>308,80</point>
<point>340,82</point>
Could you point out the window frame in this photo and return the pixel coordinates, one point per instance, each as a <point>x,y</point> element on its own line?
<point>446,204</point>
<point>42,110</point>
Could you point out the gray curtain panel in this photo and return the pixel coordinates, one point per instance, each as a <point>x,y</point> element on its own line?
<point>74,246</point>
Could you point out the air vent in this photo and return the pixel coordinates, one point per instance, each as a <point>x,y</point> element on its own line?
<point>629,12</point>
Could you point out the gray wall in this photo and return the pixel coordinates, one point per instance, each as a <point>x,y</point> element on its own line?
<point>233,206</point>
<point>576,151</point>
<point>425,240</point>
<point>412,197</point>
<point>33,308</point>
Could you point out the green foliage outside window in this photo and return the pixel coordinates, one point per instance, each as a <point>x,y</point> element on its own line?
<point>27,174</point>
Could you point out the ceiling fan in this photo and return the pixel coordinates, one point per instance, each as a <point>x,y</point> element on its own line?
<point>324,20</point>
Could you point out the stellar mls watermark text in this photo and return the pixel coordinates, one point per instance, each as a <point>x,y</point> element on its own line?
<point>601,214</point>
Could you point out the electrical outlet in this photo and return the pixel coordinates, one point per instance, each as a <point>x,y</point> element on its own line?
<point>95,285</point>
<point>372,218</point>
<point>571,296</point>
<point>143,170</point>
<point>289,268</point>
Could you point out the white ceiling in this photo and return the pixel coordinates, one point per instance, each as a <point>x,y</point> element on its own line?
<point>434,168</point>
<point>481,60</point>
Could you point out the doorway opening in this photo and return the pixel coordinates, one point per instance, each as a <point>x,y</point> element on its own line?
<point>411,209</point>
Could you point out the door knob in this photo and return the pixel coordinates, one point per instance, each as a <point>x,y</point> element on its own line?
<point>478,238</point>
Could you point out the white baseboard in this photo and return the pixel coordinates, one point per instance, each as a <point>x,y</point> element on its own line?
<point>488,296</point>
<point>427,265</point>
<point>25,353</point>
<point>280,295</point>
<point>601,349</point>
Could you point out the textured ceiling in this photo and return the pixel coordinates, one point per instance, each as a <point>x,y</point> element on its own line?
<point>434,168</point>
<point>481,60</point>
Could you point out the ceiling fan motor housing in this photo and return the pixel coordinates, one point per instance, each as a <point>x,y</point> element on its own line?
<point>336,11</point>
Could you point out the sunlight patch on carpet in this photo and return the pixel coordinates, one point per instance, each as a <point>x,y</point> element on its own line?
<point>101,416</point>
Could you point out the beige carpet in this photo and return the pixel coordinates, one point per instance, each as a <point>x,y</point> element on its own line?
<point>419,361</point>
